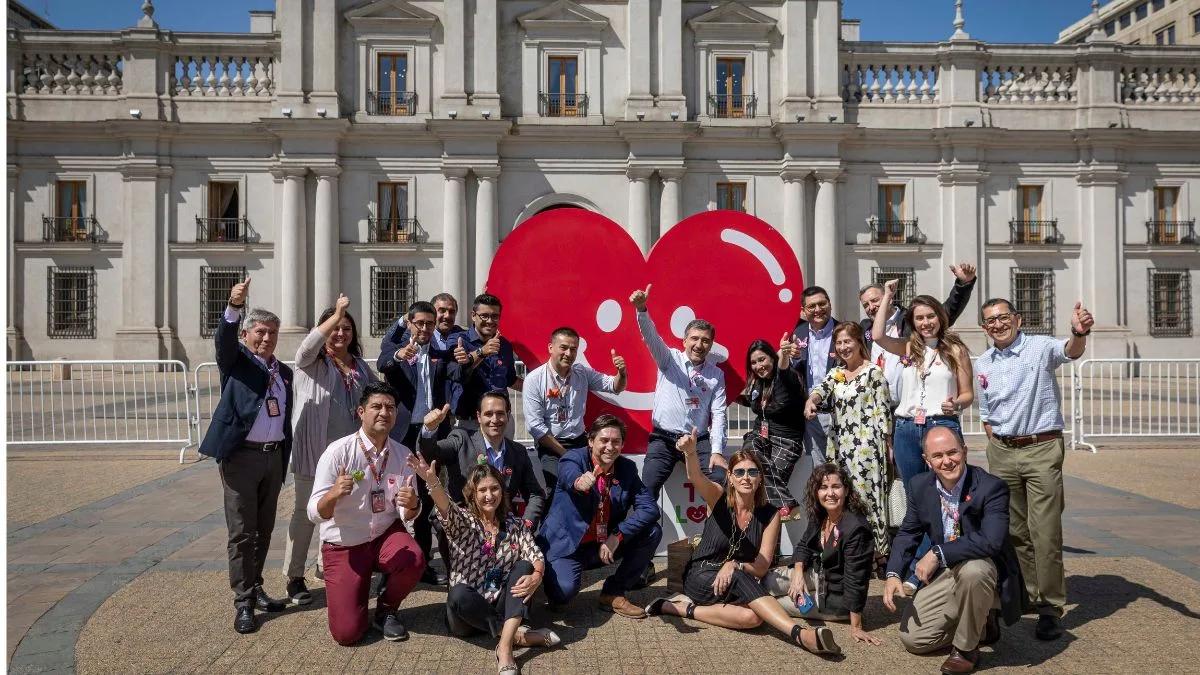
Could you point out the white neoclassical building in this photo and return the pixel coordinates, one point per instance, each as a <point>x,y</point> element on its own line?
<point>385,147</point>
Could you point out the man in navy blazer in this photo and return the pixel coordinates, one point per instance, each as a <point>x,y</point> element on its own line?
<point>970,571</point>
<point>813,357</point>
<point>250,437</point>
<point>601,513</point>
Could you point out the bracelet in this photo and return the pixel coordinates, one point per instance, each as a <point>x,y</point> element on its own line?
<point>1078,334</point>
<point>436,485</point>
<point>237,306</point>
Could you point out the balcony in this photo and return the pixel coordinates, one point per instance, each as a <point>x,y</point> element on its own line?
<point>392,103</point>
<point>72,229</point>
<point>1172,232</point>
<point>562,105</point>
<point>1034,232</point>
<point>732,105</point>
<point>393,230</point>
<point>896,231</point>
<point>224,230</point>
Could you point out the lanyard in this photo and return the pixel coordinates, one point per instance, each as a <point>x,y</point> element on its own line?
<point>376,474</point>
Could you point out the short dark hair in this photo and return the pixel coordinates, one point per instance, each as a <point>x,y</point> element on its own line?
<point>992,302</point>
<point>864,289</point>
<point>603,422</point>
<point>355,347</point>
<point>811,291</point>
<point>376,388</point>
<point>700,324</point>
<point>496,394</point>
<point>486,299</point>
<point>565,332</point>
<point>421,307</point>
<point>441,297</point>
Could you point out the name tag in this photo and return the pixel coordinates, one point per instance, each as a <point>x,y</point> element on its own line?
<point>272,407</point>
<point>378,501</point>
<point>562,416</point>
<point>693,403</point>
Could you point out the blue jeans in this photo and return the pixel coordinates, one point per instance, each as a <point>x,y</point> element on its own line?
<point>906,446</point>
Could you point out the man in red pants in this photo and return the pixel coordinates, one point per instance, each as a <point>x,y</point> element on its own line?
<point>364,502</point>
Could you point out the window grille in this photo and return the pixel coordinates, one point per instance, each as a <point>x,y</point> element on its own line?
<point>71,302</point>
<point>215,284</point>
<point>393,289</point>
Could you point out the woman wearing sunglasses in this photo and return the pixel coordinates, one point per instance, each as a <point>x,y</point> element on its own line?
<point>775,394</point>
<point>740,537</point>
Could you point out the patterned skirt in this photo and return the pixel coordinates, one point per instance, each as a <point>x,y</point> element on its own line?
<point>778,457</point>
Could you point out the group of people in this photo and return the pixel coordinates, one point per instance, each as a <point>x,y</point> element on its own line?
<point>383,467</point>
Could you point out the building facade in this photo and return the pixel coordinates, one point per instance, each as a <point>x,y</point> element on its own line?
<point>384,148</point>
<point>1141,22</point>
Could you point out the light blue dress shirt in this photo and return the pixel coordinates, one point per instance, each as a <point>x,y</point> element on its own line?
<point>1018,391</point>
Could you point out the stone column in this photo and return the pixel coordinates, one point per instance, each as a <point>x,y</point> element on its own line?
<point>795,60</point>
<point>326,241</point>
<point>670,58</point>
<point>323,46</point>
<point>827,235</point>
<point>486,93</point>
<point>669,209</point>
<point>140,235</point>
<point>639,59</point>
<point>454,233</point>
<point>487,234</point>
<point>290,268</point>
<point>827,76</point>
<point>16,229</point>
<point>454,90</point>
<point>1102,292</point>
<point>796,228</point>
<point>961,228</point>
<point>639,207</point>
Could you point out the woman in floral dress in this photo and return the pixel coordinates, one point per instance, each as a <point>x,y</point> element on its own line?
<point>862,421</point>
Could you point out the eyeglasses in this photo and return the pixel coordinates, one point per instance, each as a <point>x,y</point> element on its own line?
<point>423,324</point>
<point>824,304</point>
<point>998,319</point>
<point>741,473</point>
<point>487,317</point>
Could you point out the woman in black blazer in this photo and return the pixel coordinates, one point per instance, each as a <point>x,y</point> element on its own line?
<point>833,559</point>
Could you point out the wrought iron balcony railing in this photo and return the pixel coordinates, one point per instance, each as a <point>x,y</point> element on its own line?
<point>562,105</point>
<point>393,230</point>
<point>392,103</point>
<point>1172,232</point>
<point>220,230</point>
<point>732,105</point>
<point>1034,232</point>
<point>896,231</point>
<point>71,229</point>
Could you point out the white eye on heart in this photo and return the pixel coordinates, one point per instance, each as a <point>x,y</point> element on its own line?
<point>608,315</point>
<point>680,318</point>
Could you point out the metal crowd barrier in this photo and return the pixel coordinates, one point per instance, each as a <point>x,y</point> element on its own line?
<point>1123,398</point>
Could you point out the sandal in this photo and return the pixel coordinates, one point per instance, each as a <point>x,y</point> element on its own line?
<point>542,637</point>
<point>509,669</point>
<point>824,639</point>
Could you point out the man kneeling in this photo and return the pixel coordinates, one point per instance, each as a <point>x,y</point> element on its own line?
<point>971,568</point>
<point>363,499</point>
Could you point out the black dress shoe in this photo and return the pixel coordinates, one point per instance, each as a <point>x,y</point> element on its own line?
<point>1048,628</point>
<point>244,622</point>
<point>264,602</point>
<point>991,629</point>
<point>433,577</point>
<point>645,579</point>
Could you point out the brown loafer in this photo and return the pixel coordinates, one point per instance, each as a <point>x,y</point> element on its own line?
<point>619,604</point>
<point>960,662</point>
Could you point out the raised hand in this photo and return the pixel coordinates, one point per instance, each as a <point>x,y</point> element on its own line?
<point>344,484</point>
<point>342,304</point>
<point>425,471</point>
<point>435,417</point>
<point>460,354</point>
<point>1081,319</point>
<point>687,444</point>
<point>786,346</point>
<point>585,481</point>
<point>237,294</point>
<point>889,288</point>
<point>964,272</point>
<point>492,347</point>
<point>409,351</point>
<point>406,497</point>
<point>639,298</point>
<point>618,362</point>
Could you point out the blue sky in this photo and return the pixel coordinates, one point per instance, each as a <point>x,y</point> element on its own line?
<point>907,20</point>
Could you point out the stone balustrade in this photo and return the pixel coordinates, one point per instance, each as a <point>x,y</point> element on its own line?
<point>198,76</point>
<point>1025,84</point>
<point>71,74</point>
<point>1143,85</point>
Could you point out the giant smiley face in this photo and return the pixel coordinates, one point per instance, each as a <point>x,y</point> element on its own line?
<point>576,268</point>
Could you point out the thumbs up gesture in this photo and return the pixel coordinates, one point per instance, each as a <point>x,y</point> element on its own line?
<point>1081,319</point>
<point>410,351</point>
<point>342,304</point>
<point>460,354</point>
<point>618,361</point>
<point>639,298</point>
<point>786,347</point>
<point>406,497</point>
<point>949,406</point>
<point>239,292</point>
<point>492,346</point>
<point>585,481</point>
<point>344,484</point>
<point>435,417</point>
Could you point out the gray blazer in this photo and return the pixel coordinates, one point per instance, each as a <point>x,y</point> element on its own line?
<point>461,450</point>
<point>316,379</point>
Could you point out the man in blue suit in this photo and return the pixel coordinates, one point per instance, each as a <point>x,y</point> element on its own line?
<point>601,513</point>
<point>250,437</point>
<point>971,568</point>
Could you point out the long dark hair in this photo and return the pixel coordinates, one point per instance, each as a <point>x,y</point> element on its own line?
<point>753,382</point>
<point>812,504</point>
<point>474,476</point>
<point>948,343</point>
<point>355,348</point>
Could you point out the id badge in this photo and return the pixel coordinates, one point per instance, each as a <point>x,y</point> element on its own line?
<point>378,501</point>
<point>601,532</point>
<point>762,430</point>
<point>919,417</point>
<point>694,403</point>
<point>272,406</point>
<point>562,415</point>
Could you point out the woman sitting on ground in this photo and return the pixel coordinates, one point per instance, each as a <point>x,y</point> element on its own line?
<point>495,565</point>
<point>832,559</point>
<point>735,551</point>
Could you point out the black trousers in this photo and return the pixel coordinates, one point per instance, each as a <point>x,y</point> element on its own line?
<point>251,479</point>
<point>661,457</point>
<point>469,613</point>
<point>425,527</point>
<point>549,462</point>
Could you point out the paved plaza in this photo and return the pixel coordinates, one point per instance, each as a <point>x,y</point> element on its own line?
<point>116,564</point>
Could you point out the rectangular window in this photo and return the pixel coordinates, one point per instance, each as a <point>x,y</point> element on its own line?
<point>730,96</point>
<point>1170,303</point>
<point>223,221</point>
<point>393,289</point>
<point>905,289</point>
<point>562,87</point>
<point>891,215</point>
<point>1110,28</point>
<point>1157,4</point>
<point>71,302</point>
<point>1126,20</point>
<point>1166,203</point>
<point>71,211</point>
<point>1196,23</point>
<point>215,284</point>
<point>731,196</point>
<point>1141,11</point>
<point>1033,297</point>
<point>1166,36</point>
<point>392,223</point>
<point>392,95</point>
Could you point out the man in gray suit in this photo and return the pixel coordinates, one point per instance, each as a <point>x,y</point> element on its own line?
<point>465,448</point>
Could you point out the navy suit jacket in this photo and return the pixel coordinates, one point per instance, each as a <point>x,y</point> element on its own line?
<point>800,362</point>
<point>243,393</point>
<point>983,516</point>
<point>632,508</point>
<point>403,376</point>
<point>462,449</point>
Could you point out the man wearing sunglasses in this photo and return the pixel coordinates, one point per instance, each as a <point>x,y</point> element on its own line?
<point>484,361</point>
<point>1021,408</point>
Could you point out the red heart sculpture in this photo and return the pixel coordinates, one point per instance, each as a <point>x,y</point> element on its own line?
<point>576,268</point>
<point>697,514</point>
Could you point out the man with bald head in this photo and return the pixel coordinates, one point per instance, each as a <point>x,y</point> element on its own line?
<point>970,571</point>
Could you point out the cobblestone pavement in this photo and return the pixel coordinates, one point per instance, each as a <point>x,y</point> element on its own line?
<point>134,581</point>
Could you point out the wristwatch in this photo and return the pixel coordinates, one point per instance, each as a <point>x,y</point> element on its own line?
<point>1078,334</point>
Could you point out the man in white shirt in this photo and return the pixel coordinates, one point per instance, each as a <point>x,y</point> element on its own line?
<point>555,397</point>
<point>363,500</point>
